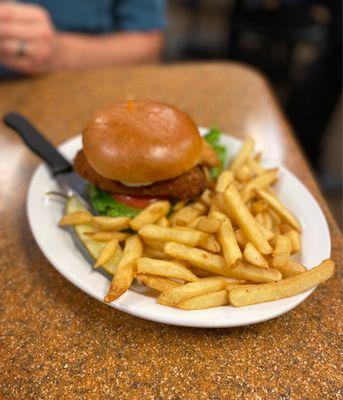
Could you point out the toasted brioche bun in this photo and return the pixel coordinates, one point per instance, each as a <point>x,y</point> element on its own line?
<point>141,142</point>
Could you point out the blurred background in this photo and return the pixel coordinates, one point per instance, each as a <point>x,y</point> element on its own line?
<point>297,44</point>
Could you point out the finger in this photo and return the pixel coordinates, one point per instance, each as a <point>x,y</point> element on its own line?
<point>20,12</point>
<point>11,47</point>
<point>21,64</point>
<point>22,30</point>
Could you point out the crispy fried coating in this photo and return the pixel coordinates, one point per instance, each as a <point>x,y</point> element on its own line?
<point>185,186</point>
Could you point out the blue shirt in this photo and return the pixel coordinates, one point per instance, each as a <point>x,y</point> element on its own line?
<point>104,16</point>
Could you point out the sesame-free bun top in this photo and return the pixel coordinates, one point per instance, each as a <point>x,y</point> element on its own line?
<point>141,142</point>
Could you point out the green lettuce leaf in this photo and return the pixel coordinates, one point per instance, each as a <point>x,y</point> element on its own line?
<point>213,139</point>
<point>104,204</point>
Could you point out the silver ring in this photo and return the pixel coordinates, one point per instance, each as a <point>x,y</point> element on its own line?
<point>22,47</point>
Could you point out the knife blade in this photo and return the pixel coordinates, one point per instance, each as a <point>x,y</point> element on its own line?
<point>69,182</point>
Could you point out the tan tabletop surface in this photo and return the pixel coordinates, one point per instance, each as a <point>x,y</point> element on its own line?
<point>58,343</point>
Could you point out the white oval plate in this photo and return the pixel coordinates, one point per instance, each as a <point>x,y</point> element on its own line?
<point>60,249</point>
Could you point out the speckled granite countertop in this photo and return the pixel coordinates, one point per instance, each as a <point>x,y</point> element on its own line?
<point>58,343</point>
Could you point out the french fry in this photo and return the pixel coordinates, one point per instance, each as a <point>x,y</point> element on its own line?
<point>234,281</point>
<point>191,225</point>
<point>280,209</point>
<point>212,209</point>
<point>253,256</point>
<point>207,224</point>
<point>105,236</point>
<point>187,236</point>
<point>276,229</point>
<point>282,251</point>
<point>200,273</point>
<point>262,181</point>
<point>252,273</point>
<point>208,176</point>
<point>93,248</point>
<point>210,244</point>
<point>284,228</point>
<point>197,257</point>
<point>204,301</point>
<point>155,244</point>
<point>245,220</point>
<point>295,240</point>
<point>255,166</point>
<point>267,220</point>
<point>201,286</point>
<point>182,262</point>
<point>157,282</point>
<point>238,185</point>
<point>243,174</point>
<point>216,264</point>
<point>242,240</point>
<point>224,180</point>
<point>107,253</point>
<point>291,269</point>
<point>126,269</point>
<point>259,219</point>
<point>276,220</point>
<point>76,218</point>
<point>200,207</point>
<point>110,224</point>
<point>167,269</point>
<point>258,207</point>
<point>182,228</point>
<point>187,214</point>
<point>180,204</point>
<point>271,191</point>
<point>257,157</point>
<point>218,201</point>
<point>253,294</point>
<point>205,198</point>
<point>231,286</point>
<point>269,235</point>
<point>226,236</point>
<point>164,221</point>
<point>150,214</point>
<point>244,153</point>
<point>155,253</point>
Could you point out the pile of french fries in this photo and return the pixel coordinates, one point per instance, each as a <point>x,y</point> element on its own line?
<point>233,245</point>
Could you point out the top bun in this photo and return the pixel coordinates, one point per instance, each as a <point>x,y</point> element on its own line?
<point>141,142</point>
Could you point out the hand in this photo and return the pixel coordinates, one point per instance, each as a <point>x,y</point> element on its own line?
<point>28,41</point>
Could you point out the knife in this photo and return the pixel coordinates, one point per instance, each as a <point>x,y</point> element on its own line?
<point>61,169</point>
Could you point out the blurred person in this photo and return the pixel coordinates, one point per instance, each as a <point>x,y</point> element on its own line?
<point>39,36</point>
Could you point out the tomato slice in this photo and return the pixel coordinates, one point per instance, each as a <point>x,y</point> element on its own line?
<point>136,202</point>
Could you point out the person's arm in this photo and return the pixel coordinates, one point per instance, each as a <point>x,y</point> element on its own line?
<point>30,44</point>
<point>80,51</point>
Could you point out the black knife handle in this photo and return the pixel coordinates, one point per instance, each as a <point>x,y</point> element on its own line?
<point>37,143</point>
